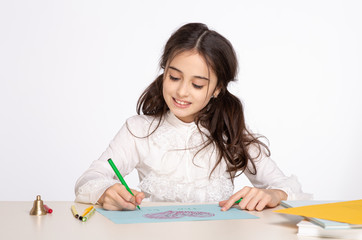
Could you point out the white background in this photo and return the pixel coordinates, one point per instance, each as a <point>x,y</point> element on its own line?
<point>71,73</point>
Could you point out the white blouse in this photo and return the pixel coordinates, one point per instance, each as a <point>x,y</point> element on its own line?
<point>168,168</point>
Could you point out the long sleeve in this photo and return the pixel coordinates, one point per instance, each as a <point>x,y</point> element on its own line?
<point>172,165</point>
<point>100,176</point>
<point>269,176</point>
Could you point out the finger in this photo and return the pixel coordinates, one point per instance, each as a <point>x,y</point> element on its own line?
<point>222,203</point>
<point>231,201</point>
<point>139,197</point>
<point>128,200</point>
<point>127,196</point>
<point>247,198</point>
<point>250,206</point>
<point>113,200</point>
<point>110,207</point>
<point>119,205</point>
<point>118,198</point>
<point>261,204</point>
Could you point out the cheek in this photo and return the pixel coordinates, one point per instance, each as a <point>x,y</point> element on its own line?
<point>203,99</point>
<point>164,86</point>
<point>169,86</point>
<point>164,93</point>
<point>166,90</point>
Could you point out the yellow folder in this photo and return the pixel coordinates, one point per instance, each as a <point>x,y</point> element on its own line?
<point>347,212</point>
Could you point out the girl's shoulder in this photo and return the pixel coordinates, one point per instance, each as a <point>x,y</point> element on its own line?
<point>140,119</point>
<point>141,124</point>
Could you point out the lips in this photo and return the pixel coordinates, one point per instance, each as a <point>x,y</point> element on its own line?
<point>180,103</point>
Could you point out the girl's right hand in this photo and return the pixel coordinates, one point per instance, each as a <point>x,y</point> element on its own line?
<point>117,197</point>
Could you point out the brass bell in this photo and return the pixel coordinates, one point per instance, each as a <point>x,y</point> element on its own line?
<point>38,207</point>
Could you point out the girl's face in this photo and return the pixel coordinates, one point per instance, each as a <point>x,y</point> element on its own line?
<point>188,85</point>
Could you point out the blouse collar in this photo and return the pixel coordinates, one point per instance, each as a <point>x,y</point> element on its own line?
<point>173,120</point>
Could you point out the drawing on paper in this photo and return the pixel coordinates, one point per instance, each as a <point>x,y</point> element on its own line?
<point>178,214</point>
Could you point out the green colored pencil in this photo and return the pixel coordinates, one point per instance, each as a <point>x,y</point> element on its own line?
<point>120,178</point>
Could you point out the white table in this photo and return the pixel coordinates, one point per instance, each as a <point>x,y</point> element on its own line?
<point>16,223</point>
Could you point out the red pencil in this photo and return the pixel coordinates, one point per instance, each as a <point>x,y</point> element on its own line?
<point>48,209</point>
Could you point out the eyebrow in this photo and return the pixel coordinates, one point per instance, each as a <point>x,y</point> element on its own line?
<point>178,70</point>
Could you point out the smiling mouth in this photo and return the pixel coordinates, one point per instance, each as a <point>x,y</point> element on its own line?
<point>180,103</point>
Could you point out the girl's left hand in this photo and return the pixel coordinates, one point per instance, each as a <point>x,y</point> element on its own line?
<point>255,199</point>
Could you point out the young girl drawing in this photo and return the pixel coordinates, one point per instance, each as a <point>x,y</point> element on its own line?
<point>189,140</point>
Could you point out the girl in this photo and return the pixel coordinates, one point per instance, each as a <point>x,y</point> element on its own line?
<point>191,140</point>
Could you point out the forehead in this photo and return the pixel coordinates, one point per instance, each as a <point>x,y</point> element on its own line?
<point>192,63</point>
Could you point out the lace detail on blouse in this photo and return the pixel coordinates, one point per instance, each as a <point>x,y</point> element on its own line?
<point>163,188</point>
<point>168,168</point>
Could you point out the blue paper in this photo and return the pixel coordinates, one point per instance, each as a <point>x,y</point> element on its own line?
<point>204,212</point>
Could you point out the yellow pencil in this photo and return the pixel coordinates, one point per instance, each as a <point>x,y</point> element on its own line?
<point>88,215</point>
<point>87,210</point>
<point>74,211</point>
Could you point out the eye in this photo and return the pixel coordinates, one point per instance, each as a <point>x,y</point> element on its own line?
<point>174,78</point>
<point>197,86</point>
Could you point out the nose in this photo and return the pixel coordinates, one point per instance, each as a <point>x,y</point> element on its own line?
<point>182,89</point>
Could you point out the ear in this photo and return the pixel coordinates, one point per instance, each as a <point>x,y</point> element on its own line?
<point>216,92</point>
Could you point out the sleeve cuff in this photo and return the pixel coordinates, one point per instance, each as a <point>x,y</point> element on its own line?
<point>291,186</point>
<point>91,191</point>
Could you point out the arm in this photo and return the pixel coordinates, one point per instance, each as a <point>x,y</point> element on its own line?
<point>271,186</point>
<point>100,178</point>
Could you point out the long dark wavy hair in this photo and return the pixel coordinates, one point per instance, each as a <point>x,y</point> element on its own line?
<point>223,116</point>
